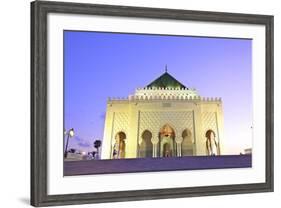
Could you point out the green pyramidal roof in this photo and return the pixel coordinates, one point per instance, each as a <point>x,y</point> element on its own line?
<point>166,81</point>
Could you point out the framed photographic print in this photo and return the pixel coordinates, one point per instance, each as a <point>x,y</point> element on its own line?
<point>132,103</point>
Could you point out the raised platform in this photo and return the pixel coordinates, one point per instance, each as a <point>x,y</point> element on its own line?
<point>87,167</point>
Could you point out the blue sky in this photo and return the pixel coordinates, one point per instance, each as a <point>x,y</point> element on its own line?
<point>100,65</point>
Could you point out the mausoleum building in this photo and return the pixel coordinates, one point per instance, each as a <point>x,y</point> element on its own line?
<point>163,119</point>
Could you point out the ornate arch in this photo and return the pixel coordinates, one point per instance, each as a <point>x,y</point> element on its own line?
<point>212,146</point>
<point>187,143</point>
<point>146,146</point>
<point>119,148</point>
<point>167,141</point>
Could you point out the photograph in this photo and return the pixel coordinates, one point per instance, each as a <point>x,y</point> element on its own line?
<point>150,102</point>
<point>134,103</point>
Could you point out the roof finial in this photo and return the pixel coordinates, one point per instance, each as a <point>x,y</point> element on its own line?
<point>166,68</point>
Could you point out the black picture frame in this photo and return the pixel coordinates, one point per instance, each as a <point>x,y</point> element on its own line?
<point>39,98</point>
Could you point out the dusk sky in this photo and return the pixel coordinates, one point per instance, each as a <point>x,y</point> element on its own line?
<point>101,65</point>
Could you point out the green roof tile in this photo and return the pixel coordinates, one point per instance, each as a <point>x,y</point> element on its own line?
<point>166,81</point>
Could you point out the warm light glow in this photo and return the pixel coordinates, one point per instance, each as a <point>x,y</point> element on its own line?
<point>71,132</point>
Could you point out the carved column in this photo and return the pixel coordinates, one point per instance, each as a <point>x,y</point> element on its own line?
<point>178,143</point>
<point>139,144</point>
<point>154,141</point>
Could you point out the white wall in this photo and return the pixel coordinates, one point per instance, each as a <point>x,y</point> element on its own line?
<point>15,113</point>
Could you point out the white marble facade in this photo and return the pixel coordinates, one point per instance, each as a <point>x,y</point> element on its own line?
<point>164,119</point>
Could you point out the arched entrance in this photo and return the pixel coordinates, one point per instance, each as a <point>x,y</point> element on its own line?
<point>167,141</point>
<point>187,143</point>
<point>212,146</point>
<point>119,150</point>
<point>146,144</point>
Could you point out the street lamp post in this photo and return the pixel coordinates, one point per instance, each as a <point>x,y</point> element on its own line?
<point>69,133</point>
<point>97,145</point>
